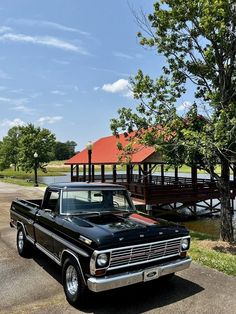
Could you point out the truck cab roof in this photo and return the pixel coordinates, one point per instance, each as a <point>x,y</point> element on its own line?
<point>85,185</point>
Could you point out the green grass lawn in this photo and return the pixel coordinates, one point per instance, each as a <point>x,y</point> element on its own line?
<point>207,251</point>
<point>18,181</point>
<point>59,165</point>
<point>29,175</point>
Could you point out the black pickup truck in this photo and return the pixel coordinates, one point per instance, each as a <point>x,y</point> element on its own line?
<point>100,240</point>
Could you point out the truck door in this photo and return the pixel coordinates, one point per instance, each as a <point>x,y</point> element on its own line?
<point>45,224</point>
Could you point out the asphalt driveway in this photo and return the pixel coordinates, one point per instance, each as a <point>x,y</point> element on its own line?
<point>34,285</point>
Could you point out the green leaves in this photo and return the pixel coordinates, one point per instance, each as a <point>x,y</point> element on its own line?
<point>198,39</point>
<point>34,139</point>
<point>20,144</point>
<point>10,148</point>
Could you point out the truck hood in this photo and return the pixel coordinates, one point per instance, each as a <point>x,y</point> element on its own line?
<point>121,229</point>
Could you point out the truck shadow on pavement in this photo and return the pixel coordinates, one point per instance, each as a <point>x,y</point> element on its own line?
<point>135,299</point>
<point>143,297</point>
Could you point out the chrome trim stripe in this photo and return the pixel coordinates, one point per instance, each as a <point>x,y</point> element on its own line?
<point>21,223</point>
<point>61,240</point>
<point>49,254</point>
<point>30,239</point>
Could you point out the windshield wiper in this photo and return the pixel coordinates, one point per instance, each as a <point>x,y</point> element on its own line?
<point>83,212</point>
<point>102,212</point>
<point>122,211</point>
<point>98,213</point>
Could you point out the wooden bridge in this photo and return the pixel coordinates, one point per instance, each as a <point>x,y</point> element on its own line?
<point>169,193</point>
<point>153,190</point>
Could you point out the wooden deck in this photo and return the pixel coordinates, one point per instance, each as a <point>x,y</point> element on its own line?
<point>158,192</point>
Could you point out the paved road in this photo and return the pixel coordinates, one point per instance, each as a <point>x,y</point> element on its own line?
<point>33,285</point>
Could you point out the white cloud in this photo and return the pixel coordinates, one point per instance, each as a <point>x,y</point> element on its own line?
<point>120,87</point>
<point>14,101</point>
<point>122,55</point>
<point>109,71</point>
<point>11,123</point>
<point>61,62</point>
<point>127,56</point>
<point>48,24</point>
<point>49,120</point>
<point>4,29</point>
<point>43,40</point>
<point>57,92</point>
<point>96,88</point>
<point>17,91</point>
<point>5,99</point>
<point>23,109</point>
<point>184,106</point>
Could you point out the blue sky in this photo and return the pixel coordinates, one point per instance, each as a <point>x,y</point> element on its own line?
<point>65,64</point>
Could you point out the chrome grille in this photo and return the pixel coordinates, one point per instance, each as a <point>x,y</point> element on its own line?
<point>144,253</point>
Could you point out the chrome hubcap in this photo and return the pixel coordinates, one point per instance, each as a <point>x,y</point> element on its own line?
<point>20,240</point>
<point>72,280</point>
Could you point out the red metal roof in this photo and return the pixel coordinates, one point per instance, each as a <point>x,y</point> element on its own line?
<point>105,151</point>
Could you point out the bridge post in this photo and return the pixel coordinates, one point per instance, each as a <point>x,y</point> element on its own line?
<point>114,173</point>
<point>103,173</point>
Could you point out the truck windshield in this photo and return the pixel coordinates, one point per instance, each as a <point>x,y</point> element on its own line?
<point>87,201</point>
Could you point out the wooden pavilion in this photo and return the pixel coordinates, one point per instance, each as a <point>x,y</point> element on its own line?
<point>144,176</point>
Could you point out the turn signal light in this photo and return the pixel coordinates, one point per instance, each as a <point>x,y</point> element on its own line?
<point>100,272</point>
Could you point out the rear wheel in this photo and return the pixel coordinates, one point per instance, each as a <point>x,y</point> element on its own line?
<point>73,282</point>
<point>23,246</point>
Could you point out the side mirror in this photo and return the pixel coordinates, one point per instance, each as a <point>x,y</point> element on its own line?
<point>50,212</point>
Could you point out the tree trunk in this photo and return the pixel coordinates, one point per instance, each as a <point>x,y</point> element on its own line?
<point>226,228</point>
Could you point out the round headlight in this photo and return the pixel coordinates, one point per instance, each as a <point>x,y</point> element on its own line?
<point>102,260</point>
<point>184,244</point>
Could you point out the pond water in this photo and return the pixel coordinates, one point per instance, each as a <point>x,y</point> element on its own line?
<point>55,179</point>
<point>209,225</point>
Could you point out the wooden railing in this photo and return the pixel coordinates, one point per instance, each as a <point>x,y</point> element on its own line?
<point>168,190</point>
<point>154,179</point>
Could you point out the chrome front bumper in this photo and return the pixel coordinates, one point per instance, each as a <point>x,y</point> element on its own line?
<point>96,284</point>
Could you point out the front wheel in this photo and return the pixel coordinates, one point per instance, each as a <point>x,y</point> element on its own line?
<point>73,282</point>
<point>23,246</point>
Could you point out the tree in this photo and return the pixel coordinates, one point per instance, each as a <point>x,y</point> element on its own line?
<point>34,139</point>
<point>65,150</point>
<point>1,157</point>
<point>198,40</point>
<point>10,148</point>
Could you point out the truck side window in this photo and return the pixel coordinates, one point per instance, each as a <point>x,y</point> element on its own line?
<point>52,201</point>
